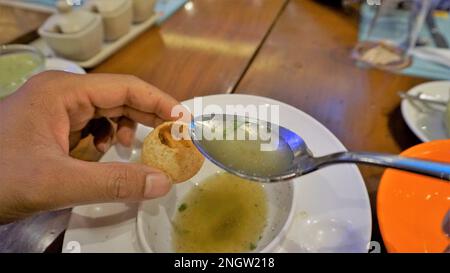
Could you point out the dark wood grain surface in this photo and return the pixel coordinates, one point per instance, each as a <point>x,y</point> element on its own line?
<point>200,51</point>
<point>19,25</point>
<point>306,62</point>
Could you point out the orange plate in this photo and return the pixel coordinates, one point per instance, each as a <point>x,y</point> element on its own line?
<point>411,207</point>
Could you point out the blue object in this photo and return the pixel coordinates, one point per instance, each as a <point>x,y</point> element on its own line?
<point>50,3</point>
<point>394,28</point>
<point>167,8</point>
<point>42,2</point>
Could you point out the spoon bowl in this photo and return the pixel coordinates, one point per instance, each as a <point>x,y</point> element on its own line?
<point>262,151</point>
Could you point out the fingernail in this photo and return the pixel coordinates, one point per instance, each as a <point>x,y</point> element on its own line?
<point>156,185</point>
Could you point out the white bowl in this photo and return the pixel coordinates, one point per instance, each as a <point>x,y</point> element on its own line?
<point>154,226</point>
<point>79,46</point>
<point>142,10</point>
<point>117,16</point>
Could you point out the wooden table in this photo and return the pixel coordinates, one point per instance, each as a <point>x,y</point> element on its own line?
<point>19,25</point>
<point>201,51</point>
<point>306,62</point>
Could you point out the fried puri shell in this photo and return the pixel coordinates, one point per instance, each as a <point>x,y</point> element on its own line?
<point>179,159</point>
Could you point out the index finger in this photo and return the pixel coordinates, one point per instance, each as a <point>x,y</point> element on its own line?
<point>108,91</point>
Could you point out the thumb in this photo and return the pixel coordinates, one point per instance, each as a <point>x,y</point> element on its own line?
<point>90,182</point>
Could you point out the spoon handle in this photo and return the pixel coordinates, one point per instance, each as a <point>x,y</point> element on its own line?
<point>429,168</point>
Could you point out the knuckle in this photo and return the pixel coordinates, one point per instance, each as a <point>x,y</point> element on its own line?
<point>46,76</point>
<point>119,185</point>
<point>40,76</point>
<point>133,78</point>
<point>47,84</point>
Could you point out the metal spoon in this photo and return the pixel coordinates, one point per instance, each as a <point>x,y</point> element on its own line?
<point>302,160</point>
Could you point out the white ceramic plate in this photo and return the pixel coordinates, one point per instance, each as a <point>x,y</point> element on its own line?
<point>63,65</point>
<point>426,121</point>
<point>332,209</point>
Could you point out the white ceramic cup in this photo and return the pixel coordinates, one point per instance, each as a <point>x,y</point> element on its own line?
<point>143,10</point>
<point>68,34</point>
<point>116,21</point>
<point>154,226</point>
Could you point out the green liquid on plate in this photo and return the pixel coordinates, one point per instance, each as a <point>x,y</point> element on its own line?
<point>15,69</point>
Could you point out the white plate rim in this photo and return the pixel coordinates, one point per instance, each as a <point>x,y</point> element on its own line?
<point>406,105</point>
<point>54,63</point>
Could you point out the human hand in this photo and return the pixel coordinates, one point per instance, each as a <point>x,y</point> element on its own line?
<point>48,115</point>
